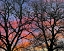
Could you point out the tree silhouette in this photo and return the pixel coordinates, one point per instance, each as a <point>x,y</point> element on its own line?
<point>11,25</point>
<point>48,18</point>
<point>45,18</point>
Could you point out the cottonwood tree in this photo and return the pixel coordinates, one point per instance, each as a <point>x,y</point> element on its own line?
<point>11,24</point>
<point>48,17</point>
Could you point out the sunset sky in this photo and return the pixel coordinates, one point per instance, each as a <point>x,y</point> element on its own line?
<point>30,22</point>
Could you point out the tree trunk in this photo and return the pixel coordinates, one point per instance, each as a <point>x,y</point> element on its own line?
<point>9,48</point>
<point>50,49</point>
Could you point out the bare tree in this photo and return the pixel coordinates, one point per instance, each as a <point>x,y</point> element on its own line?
<point>47,18</point>
<point>11,25</point>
